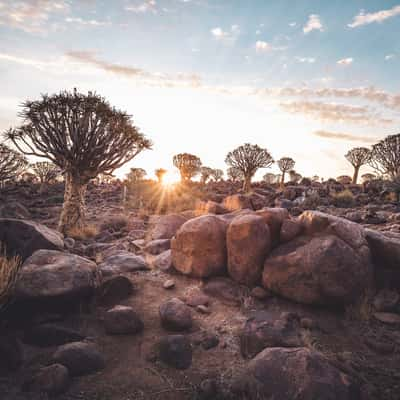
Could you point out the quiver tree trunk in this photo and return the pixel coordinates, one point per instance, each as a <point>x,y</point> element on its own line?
<point>247,184</point>
<point>73,212</point>
<point>355,176</point>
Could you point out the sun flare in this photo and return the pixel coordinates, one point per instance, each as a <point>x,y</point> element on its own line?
<point>170,178</point>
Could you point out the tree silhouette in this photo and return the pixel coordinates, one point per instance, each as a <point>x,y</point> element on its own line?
<point>358,157</point>
<point>81,134</point>
<point>285,164</point>
<point>294,176</point>
<point>46,172</point>
<point>269,178</point>
<point>368,177</point>
<point>248,158</point>
<point>205,173</point>
<point>234,174</point>
<point>344,179</point>
<point>160,173</point>
<point>188,165</point>
<point>12,164</point>
<point>217,174</point>
<point>136,175</point>
<point>385,156</point>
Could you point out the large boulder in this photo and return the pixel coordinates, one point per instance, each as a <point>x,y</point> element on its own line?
<point>166,226</point>
<point>274,218</point>
<point>52,277</point>
<point>294,373</point>
<point>199,247</point>
<point>385,251</point>
<point>237,202</point>
<point>23,238</point>
<point>121,263</point>
<point>209,207</point>
<point>321,269</point>
<point>248,243</point>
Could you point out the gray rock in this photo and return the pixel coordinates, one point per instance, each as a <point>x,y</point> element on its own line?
<point>122,320</point>
<point>175,315</point>
<point>121,263</point>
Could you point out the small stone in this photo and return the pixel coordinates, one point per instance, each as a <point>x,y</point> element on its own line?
<point>196,298</point>
<point>122,320</point>
<point>52,380</point>
<point>169,284</point>
<point>260,293</point>
<point>209,341</point>
<point>175,315</point>
<point>176,351</point>
<point>203,309</point>
<point>114,289</point>
<point>208,389</point>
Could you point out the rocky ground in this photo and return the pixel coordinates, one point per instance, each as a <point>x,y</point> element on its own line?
<point>143,329</point>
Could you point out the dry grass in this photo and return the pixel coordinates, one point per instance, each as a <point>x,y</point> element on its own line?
<point>86,232</point>
<point>360,311</point>
<point>344,199</point>
<point>115,223</point>
<point>9,268</point>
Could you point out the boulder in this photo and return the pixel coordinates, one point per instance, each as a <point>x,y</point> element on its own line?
<point>175,351</point>
<point>52,380</point>
<point>14,210</point>
<point>11,353</point>
<point>385,251</point>
<point>386,300</point>
<point>122,320</point>
<point>290,229</point>
<point>166,226</point>
<point>248,243</point>
<point>387,318</point>
<point>269,329</point>
<point>224,289</point>
<point>164,262</point>
<point>52,277</point>
<point>321,269</point>
<point>113,290</point>
<point>210,207</point>
<point>23,238</point>
<point>199,247</point>
<point>80,358</point>
<point>121,263</point>
<point>237,202</point>
<point>157,246</point>
<point>274,218</point>
<point>50,335</point>
<point>294,373</point>
<point>175,315</point>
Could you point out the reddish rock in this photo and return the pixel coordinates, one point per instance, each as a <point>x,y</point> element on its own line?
<point>237,202</point>
<point>166,226</point>
<point>290,229</point>
<point>274,218</point>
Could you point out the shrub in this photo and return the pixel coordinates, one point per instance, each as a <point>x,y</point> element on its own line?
<point>9,268</point>
<point>83,233</point>
<point>115,223</point>
<point>344,199</point>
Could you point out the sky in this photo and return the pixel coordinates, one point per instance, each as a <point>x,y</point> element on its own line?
<point>304,79</point>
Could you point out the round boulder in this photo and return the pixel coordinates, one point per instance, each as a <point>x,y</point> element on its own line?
<point>199,247</point>
<point>175,315</point>
<point>248,243</point>
<point>176,351</point>
<point>122,320</point>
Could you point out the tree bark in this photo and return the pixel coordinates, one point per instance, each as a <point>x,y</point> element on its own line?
<point>73,212</point>
<point>355,176</point>
<point>283,178</point>
<point>247,184</point>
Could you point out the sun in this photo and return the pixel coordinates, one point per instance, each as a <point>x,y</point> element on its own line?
<point>170,178</point>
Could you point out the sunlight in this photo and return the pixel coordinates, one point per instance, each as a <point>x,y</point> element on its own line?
<point>171,178</point>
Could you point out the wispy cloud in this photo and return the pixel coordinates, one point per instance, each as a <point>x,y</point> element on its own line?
<point>262,46</point>
<point>313,24</point>
<point>345,61</point>
<point>143,7</point>
<point>230,35</point>
<point>368,18</point>
<point>309,60</point>
<point>343,136</point>
<point>30,15</point>
<point>389,57</point>
<point>86,22</point>
<point>336,112</point>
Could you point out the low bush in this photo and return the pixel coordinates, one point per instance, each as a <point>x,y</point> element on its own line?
<point>344,199</point>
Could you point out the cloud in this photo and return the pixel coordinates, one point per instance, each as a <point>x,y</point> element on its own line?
<point>262,47</point>
<point>30,15</point>
<point>292,24</point>
<point>87,22</point>
<point>144,7</point>
<point>343,136</point>
<point>313,24</point>
<point>335,112</point>
<point>228,36</point>
<point>345,61</point>
<point>364,19</point>
<point>309,60</point>
<point>389,57</point>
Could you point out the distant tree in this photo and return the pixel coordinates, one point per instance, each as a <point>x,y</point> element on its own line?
<point>385,156</point>
<point>84,136</point>
<point>269,178</point>
<point>315,178</point>
<point>136,175</point>
<point>368,177</point>
<point>294,176</point>
<point>248,159</point>
<point>234,174</point>
<point>358,157</point>
<point>12,164</point>
<point>160,173</point>
<point>205,173</point>
<point>217,174</point>
<point>344,179</point>
<point>285,164</point>
<point>188,164</point>
<point>46,172</point>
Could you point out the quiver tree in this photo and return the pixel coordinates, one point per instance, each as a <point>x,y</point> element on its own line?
<point>248,158</point>
<point>160,173</point>
<point>368,177</point>
<point>205,173</point>
<point>46,172</point>
<point>358,157</point>
<point>234,174</point>
<point>294,176</point>
<point>217,174</point>
<point>344,179</point>
<point>136,175</point>
<point>81,134</point>
<point>385,156</point>
<point>188,164</point>
<point>285,164</point>
<point>12,164</point>
<point>269,178</point>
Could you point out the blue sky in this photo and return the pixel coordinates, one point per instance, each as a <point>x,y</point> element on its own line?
<point>306,79</point>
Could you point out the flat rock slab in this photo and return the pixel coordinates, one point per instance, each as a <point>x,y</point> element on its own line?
<point>122,262</point>
<point>387,318</point>
<point>224,289</point>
